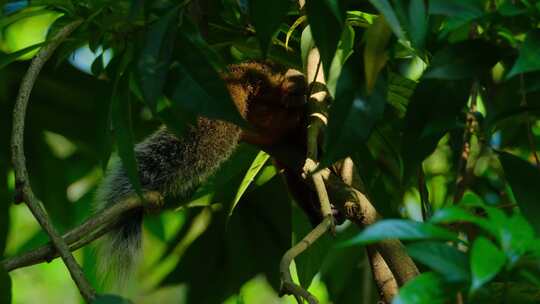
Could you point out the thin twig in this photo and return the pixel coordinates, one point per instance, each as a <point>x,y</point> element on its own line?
<point>287,284</point>
<point>462,174</point>
<point>23,188</point>
<point>530,135</point>
<point>87,232</point>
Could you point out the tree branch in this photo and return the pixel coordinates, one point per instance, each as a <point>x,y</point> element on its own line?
<point>287,284</point>
<point>361,211</point>
<point>92,229</point>
<point>23,189</point>
<point>462,174</point>
<point>530,135</point>
<point>384,278</point>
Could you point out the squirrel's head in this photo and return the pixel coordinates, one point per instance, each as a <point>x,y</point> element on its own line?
<point>272,99</point>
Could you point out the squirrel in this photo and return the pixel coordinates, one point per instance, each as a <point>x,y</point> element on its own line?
<point>270,97</point>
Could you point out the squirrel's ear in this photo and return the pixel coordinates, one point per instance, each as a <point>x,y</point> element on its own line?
<point>294,87</point>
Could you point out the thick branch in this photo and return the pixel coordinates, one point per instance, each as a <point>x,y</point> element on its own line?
<point>23,188</point>
<point>361,211</point>
<point>383,276</point>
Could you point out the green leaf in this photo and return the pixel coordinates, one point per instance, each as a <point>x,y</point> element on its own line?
<point>529,55</point>
<point>198,88</point>
<point>353,113</point>
<point>326,20</point>
<point>377,38</point>
<point>403,230</point>
<point>460,12</point>
<point>6,59</point>
<point>256,166</point>
<point>486,261</point>
<point>256,236</point>
<point>523,177</point>
<point>267,16</point>
<point>121,122</point>
<point>463,60</point>
<point>455,214</point>
<point>418,23</point>
<point>110,299</point>
<point>434,109</point>
<point>343,271</point>
<point>427,288</point>
<point>5,287</point>
<point>343,52</point>
<point>388,12</point>
<point>153,63</point>
<point>443,258</point>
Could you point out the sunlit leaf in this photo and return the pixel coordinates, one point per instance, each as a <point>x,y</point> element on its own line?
<point>375,54</point>
<point>253,170</point>
<point>6,59</point>
<point>486,261</point>
<point>427,288</point>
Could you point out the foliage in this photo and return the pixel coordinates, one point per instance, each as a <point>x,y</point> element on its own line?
<point>436,102</point>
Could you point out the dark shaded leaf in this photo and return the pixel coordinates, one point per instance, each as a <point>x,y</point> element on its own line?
<point>418,23</point>
<point>110,299</point>
<point>353,113</point>
<point>198,88</point>
<point>463,60</point>
<point>155,58</point>
<point>344,271</point>
<point>529,55</point>
<point>443,258</point>
<point>255,238</point>
<point>121,122</point>
<point>5,287</point>
<point>523,178</point>
<point>344,50</point>
<point>267,16</point>
<point>400,229</point>
<point>434,109</point>
<point>326,20</point>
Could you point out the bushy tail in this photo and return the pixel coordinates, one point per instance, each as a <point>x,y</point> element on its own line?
<point>120,249</point>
